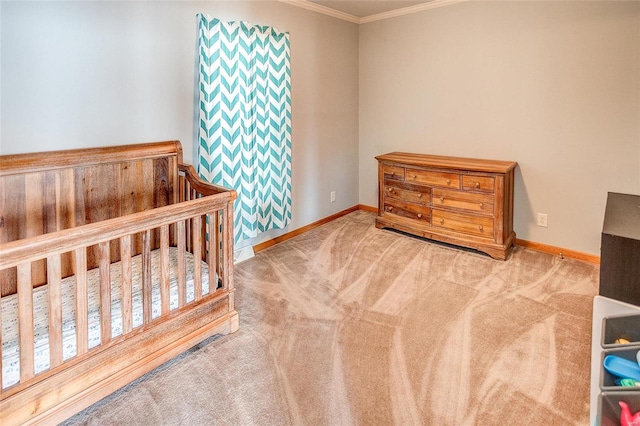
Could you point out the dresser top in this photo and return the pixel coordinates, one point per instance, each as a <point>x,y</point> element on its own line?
<point>473,164</point>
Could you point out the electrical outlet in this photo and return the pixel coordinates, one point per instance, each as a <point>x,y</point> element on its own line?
<point>542,220</point>
<point>333,196</point>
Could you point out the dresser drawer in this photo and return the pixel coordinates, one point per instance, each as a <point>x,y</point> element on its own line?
<point>393,172</point>
<point>478,183</point>
<point>469,224</point>
<point>428,177</point>
<point>471,201</point>
<point>404,192</point>
<point>409,210</point>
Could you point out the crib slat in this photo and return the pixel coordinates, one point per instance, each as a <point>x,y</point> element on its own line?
<point>222,268</point>
<point>146,277</point>
<point>227,248</point>
<point>125,256</point>
<point>164,268</point>
<point>25,321</point>
<point>197,257</point>
<point>214,268</point>
<point>105,292</point>
<point>82,316</point>
<point>188,223</point>
<point>55,310</point>
<point>182,274</point>
<point>203,243</point>
<point>211,256</point>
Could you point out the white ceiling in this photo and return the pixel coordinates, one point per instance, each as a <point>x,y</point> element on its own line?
<point>364,8</point>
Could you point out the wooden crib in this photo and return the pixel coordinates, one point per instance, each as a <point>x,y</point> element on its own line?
<point>112,261</point>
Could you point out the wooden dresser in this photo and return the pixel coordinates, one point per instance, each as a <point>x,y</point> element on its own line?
<point>462,201</point>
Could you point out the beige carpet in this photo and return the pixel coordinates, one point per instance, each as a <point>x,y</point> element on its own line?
<point>351,325</point>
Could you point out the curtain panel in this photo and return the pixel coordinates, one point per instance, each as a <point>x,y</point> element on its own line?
<point>245,120</point>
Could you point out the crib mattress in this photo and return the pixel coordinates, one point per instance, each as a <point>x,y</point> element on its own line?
<point>9,310</point>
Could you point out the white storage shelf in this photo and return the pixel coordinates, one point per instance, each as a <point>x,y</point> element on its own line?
<point>604,307</point>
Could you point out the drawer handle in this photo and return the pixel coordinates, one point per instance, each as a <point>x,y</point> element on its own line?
<point>478,185</point>
<point>480,227</point>
<point>389,208</point>
<point>415,177</point>
<point>441,221</point>
<point>419,215</point>
<point>481,205</point>
<point>448,181</point>
<point>390,189</point>
<point>442,200</point>
<point>420,195</point>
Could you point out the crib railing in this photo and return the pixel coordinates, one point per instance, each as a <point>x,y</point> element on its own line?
<point>183,225</point>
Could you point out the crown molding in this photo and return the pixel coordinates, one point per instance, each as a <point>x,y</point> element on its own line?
<point>305,4</point>
<point>408,10</point>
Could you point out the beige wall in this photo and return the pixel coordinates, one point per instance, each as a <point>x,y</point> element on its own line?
<point>81,74</point>
<point>554,86</point>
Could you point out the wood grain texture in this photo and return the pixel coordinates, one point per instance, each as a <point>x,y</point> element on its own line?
<point>19,164</point>
<point>65,217</point>
<point>227,261</point>
<point>13,226</point>
<point>67,212</point>
<point>471,201</point>
<point>182,274</point>
<point>34,220</point>
<point>25,321</point>
<point>364,207</point>
<point>146,277</point>
<point>127,291</point>
<point>86,382</point>
<point>213,247</point>
<point>502,198</point>
<point>63,241</point>
<point>105,292</point>
<point>463,201</point>
<point>164,269</point>
<point>197,254</point>
<point>55,311</point>
<point>444,162</point>
<point>47,200</point>
<point>82,304</point>
<point>558,251</point>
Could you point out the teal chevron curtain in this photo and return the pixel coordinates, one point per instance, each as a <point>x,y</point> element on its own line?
<point>245,120</point>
